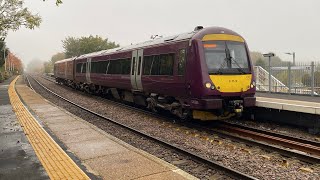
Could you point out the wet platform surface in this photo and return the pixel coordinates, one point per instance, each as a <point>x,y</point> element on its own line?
<point>17,158</point>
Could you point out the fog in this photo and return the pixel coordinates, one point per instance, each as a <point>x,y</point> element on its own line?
<point>278,26</point>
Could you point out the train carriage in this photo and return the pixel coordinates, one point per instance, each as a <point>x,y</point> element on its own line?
<point>206,74</point>
<point>64,70</point>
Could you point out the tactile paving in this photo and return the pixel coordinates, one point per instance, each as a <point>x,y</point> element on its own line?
<point>55,161</point>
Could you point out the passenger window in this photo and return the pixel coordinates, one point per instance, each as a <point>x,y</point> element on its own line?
<point>147,62</point>
<point>114,67</point>
<point>155,65</point>
<point>84,67</point>
<point>126,66</point>
<point>94,67</point>
<point>182,61</point>
<point>166,64</point>
<point>79,67</point>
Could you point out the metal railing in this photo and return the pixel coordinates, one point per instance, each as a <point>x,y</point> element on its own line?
<point>301,78</point>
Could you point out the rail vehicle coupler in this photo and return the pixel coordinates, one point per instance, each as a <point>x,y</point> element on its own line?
<point>237,107</point>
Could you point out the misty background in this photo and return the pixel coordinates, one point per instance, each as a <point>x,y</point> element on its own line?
<point>278,26</point>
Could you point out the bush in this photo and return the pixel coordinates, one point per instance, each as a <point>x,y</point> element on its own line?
<point>6,75</point>
<point>1,77</point>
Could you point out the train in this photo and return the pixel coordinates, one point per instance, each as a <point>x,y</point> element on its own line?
<point>206,74</point>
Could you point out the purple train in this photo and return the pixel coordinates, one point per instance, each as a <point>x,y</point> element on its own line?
<point>205,74</point>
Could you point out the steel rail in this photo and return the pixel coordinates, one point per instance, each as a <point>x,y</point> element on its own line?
<point>280,135</point>
<point>283,151</point>
<point>302,156</point>
<point>230,172</point>
<point>29,83</point>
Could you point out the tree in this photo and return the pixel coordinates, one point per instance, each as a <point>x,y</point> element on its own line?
<point>58,56</point>
<point>84,45</point>
<point>14,15</point>
<point>18,66</point>
<point>58,2</point>
<point>48,67</point>
<point>306,80</point>
<point>3,55</point>
<point>261,63</point>
<point>275,61</point>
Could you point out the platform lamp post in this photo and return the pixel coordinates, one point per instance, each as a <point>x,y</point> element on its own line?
<point>293,64</point>
<point>269,55</point>
<point>293,57</point>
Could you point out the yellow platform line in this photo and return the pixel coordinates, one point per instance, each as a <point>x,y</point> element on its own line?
<point>55,161</point>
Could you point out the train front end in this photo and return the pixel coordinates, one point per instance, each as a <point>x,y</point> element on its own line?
<point>227,85</point>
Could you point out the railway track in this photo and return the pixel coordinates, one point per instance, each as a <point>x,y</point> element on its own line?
<point>228,171</point>
<point>308,151</point>
<point>267,142</point>
<point>300,144</point>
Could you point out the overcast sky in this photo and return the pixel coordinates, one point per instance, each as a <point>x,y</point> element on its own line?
<point>274,25</point>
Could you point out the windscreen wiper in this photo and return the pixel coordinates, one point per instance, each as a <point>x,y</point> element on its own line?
<point>240,68</point>
<point>230,58</point>
<point>222,66</point>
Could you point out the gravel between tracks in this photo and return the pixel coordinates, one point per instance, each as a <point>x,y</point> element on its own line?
<point>249,160</point>
<point>284,129</point>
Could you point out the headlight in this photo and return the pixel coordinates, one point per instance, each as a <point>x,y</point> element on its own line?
<point>253,84</point>
<point>208,85</point>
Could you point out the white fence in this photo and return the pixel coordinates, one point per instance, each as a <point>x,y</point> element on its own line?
<point>301,78</point>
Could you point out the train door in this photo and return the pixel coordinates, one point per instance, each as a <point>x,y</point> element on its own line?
<point>136,69</point>
<point>88,70</point>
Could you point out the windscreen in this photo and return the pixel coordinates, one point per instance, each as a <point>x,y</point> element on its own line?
<point>226,57</point>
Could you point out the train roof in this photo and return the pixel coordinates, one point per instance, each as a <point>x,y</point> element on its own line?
<point>65,60</point>
<point>198,32</point>
<point>161,40</point>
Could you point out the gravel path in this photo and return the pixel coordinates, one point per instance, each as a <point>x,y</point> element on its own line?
<point>249,160</point>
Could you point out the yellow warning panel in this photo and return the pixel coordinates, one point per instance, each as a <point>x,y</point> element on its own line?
<point>56,162</point>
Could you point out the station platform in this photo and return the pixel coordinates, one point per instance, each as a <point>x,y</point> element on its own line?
<point>67,147</point>
<point>297,110</point>
<point>295,103</point>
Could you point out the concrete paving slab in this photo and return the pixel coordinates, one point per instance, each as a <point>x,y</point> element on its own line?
<point>79,135</point>
<point>49,115</point>
<point>288,105</point>
<point>47,109</point>
<point>168,175</point>
<point>286,101</point>
<point>17,158</point>
<point>67,126</point>
<point>96,148</point>
<point>120,166</point>
<point>267,104</point>
<point>56,119</point>
<point>298,108</point>
<point>8,121</point>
